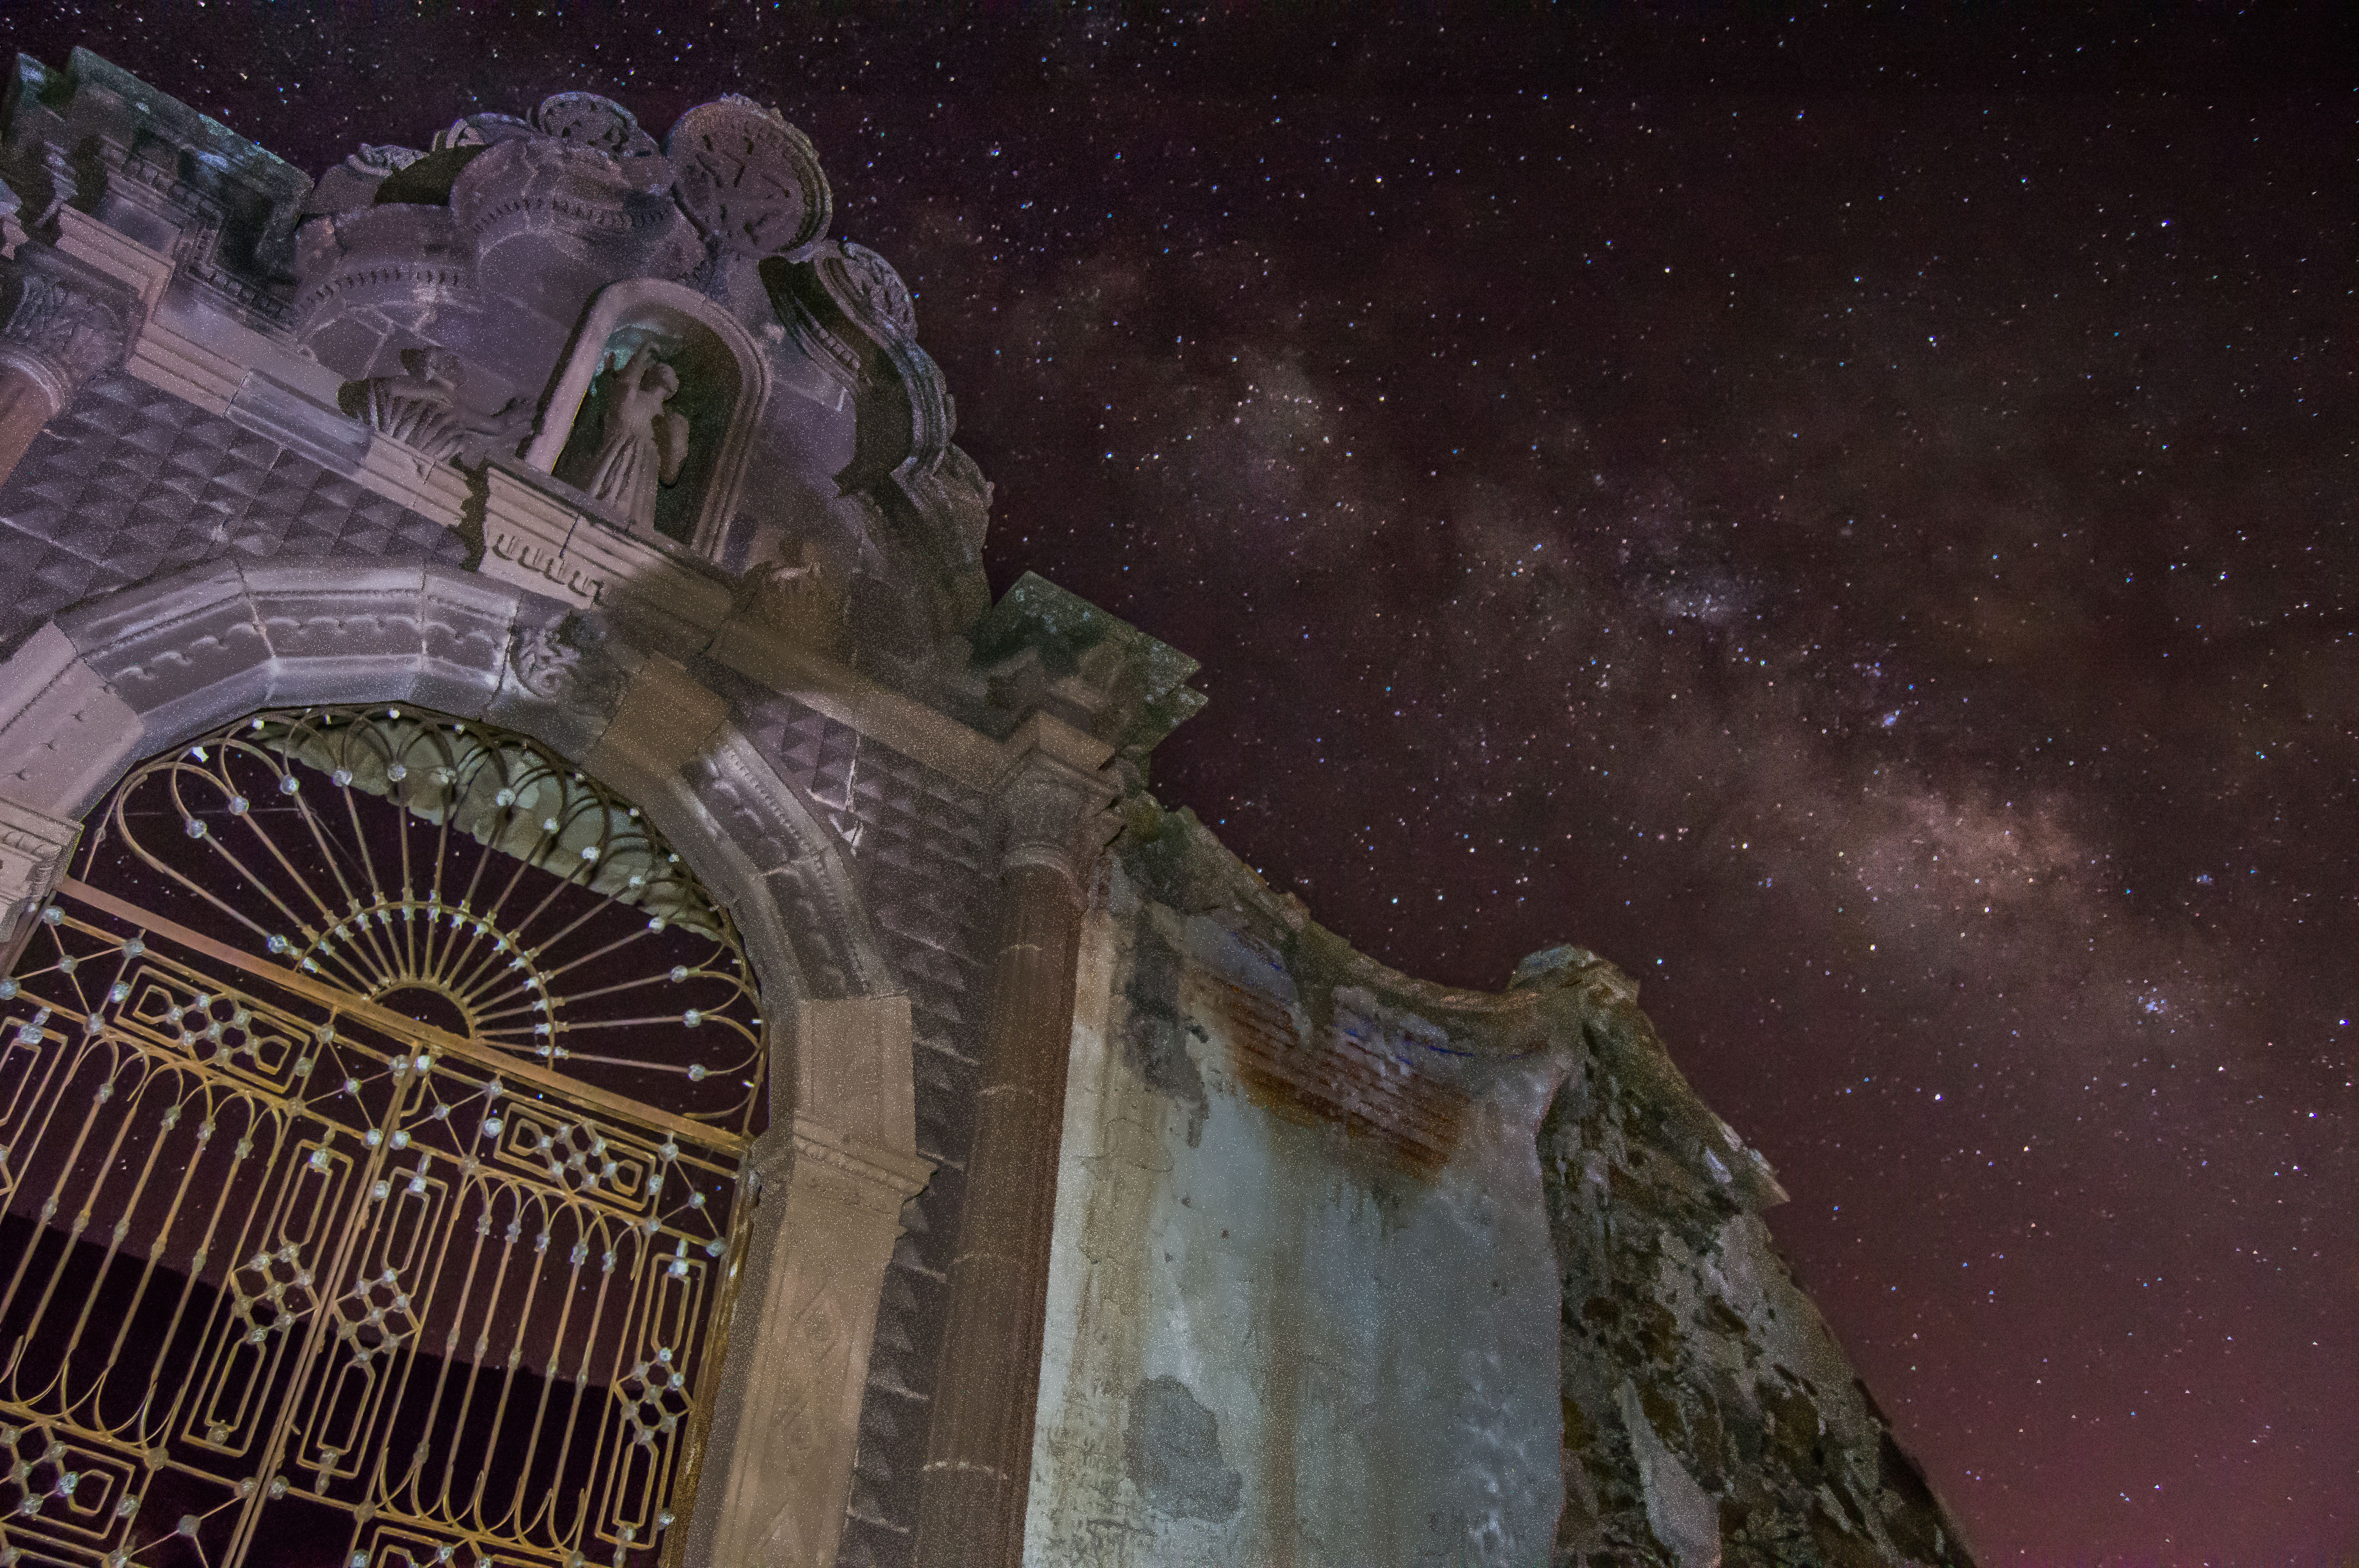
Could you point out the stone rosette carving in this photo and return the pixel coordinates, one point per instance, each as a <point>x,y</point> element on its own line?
<point>750,181</point>
<point>587,120</point>
<point>59,324</point>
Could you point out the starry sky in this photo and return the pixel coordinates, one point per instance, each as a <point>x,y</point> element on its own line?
<point>1850,517</point>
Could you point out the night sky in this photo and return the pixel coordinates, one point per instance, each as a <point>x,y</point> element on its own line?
<point>1851,518</point>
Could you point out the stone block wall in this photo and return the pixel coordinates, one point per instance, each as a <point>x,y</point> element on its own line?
<point>920,842</point>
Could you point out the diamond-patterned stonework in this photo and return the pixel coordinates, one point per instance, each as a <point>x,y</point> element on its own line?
<point>131,482</point>
<point>920,842</point>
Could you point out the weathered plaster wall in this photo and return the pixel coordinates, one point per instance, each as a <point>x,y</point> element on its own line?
<point>1351,1270</point>
<point>1280,1332</point>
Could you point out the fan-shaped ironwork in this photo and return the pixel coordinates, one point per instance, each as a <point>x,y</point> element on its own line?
<point>615,968</point>
<point>374,1105</point>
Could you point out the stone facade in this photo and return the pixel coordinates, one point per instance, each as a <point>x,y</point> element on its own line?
<point>1111,1210</point>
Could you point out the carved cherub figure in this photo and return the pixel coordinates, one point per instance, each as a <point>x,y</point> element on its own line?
<point>642,443</point>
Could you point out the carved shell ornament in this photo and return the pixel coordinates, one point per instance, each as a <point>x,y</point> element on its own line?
<point>587,120</point>
<point>878,291</point>
<point>751,182</point>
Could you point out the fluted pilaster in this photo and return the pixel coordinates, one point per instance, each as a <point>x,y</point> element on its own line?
<point>979,1448</point>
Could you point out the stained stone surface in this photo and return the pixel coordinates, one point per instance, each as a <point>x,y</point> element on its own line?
<point>1695,1370</point>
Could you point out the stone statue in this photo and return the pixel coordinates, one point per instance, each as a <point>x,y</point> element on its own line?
<point>642,443</point>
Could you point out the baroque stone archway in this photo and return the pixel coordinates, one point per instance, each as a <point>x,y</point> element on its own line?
<point>142,671</point>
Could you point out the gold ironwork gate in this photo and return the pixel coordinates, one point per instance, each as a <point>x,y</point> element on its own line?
<point>311,1252</point>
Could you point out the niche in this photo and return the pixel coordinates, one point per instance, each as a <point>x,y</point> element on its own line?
<point>658,382</point>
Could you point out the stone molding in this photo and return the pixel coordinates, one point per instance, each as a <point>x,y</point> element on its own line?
<point>861,1175</point>
<point>142,269</point>
<point>541,533</point>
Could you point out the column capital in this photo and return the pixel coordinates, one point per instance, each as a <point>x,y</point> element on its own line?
<point>32,850</point>
<point>1052,800</point>
<point>62,322</point>
<point>840,1166</point>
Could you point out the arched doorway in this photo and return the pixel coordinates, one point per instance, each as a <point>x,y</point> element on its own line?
<point>375,1094</point>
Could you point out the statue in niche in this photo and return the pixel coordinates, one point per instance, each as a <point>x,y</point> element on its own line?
<point>642,442</point>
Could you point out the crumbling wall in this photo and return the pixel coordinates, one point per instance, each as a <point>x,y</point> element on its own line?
<point>1710,1417</point>
<point>1353,1270</point>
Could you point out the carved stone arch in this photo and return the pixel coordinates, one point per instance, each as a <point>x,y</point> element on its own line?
<point>142,671</point>
<point>719,361</point>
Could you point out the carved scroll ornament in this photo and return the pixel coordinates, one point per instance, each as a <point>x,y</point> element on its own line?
<point>420,408</point>
<point>587,120</point>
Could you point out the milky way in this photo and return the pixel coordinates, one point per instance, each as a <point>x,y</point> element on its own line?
<point>1851,521</point>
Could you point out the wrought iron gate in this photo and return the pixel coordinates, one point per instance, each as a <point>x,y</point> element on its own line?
<point>372,1108</point>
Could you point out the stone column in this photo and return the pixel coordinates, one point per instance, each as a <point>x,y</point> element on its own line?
<point>979,1447</point>
<point>60,324</point>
